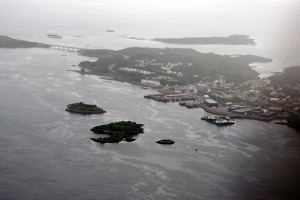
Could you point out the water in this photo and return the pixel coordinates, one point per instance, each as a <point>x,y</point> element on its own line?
<point>46,152</point>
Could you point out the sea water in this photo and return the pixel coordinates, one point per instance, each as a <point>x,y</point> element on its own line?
<point>46,153</point>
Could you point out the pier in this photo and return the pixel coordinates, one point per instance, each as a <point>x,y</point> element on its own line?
<point>65,48</point>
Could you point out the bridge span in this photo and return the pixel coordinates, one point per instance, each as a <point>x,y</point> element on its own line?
<point>65,48</point>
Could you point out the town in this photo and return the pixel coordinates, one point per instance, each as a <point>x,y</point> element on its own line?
<point>220,84</point>
<point>255,99</point>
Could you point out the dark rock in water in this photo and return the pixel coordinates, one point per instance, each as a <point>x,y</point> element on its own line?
<point>128,139</point>
<point>165,141</point>
<point>107,140</point>
<point>112,139</point>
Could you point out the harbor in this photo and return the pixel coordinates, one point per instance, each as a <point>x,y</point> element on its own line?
<point>174,97</point>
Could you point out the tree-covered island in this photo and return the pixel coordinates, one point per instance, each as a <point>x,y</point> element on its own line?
<point>229,40</point>
<point>83,108</point>
<point>117,131</point>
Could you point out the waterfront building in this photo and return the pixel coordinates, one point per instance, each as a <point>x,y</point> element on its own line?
<point>211,103</point>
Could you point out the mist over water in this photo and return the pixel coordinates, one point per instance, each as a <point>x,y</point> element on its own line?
<point>272,23</point>
<point>46,153</point>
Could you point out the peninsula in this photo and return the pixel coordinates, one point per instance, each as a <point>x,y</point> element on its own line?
<point>82,108</point>
<point>170,66</point>
<point>117,131</point>
<point>229,40</point>
<point>7,42</point>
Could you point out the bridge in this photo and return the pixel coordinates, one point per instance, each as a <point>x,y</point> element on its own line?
<point>65,48</point>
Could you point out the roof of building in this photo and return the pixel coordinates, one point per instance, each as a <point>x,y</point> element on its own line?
<point>275,108</point>
<point>244,110</point>
<point>210,101</point>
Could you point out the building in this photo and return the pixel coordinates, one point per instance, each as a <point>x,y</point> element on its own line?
<point>202,88</point>
<point>211,103</point>
<point>243,111</point>
<point>150,82</point>
<point>206,96</point>
<point>276,109</point>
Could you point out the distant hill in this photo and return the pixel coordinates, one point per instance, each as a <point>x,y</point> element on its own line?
<point>7,42</point>
<point>192,64</point>
<point>229,40</point>
<point>290,75</point>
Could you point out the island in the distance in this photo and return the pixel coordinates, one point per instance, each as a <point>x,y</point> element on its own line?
<point>229,40</point>
<point>82,108</point>
<point>117,131</point>
<point>7,42</point>
<point>54,36</point>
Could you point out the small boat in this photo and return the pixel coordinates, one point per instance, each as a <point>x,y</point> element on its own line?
<point>209,118</point>
<point>218,120</point>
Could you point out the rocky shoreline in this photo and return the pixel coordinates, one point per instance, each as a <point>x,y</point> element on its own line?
<point>235,116</point>
<point>117,131</point>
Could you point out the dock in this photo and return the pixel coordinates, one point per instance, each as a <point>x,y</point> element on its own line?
<point>170,97</point>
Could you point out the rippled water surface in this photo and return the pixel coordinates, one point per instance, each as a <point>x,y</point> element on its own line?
<point>46,152</point>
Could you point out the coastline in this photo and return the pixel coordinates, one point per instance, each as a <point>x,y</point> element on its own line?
<point>236,116</point>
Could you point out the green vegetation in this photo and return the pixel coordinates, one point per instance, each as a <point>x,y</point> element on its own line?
<point>288,81</point>
<point>7,42</point>
<point>193,65</point>
<point>84,108</point>
<point>256,82</point>
<point>232,40</point>
<point>289,76</point>
<point>294,120</point>
<point>117,131</point>
<point>165,141</point>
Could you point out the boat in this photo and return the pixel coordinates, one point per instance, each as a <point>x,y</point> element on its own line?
<point>223,122</point>
<point>209,118</point>
<point>218,120</point>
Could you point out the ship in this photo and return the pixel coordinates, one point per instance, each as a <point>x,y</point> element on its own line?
<point>209,118</point>
<point>218,120</point>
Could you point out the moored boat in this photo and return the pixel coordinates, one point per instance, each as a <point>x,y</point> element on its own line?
<point>218,120</point>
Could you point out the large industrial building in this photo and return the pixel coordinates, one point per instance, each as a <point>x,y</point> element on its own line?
<point>211,103</point>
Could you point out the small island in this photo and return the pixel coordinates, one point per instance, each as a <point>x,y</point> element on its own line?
<point>165,141</point>
<point>54,36</point>
<point>117,131</point>
<point>82,108</point>
<point>229,40</point>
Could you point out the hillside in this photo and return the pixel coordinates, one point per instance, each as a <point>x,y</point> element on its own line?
<point>7,42</point>
<point>176,66</point>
